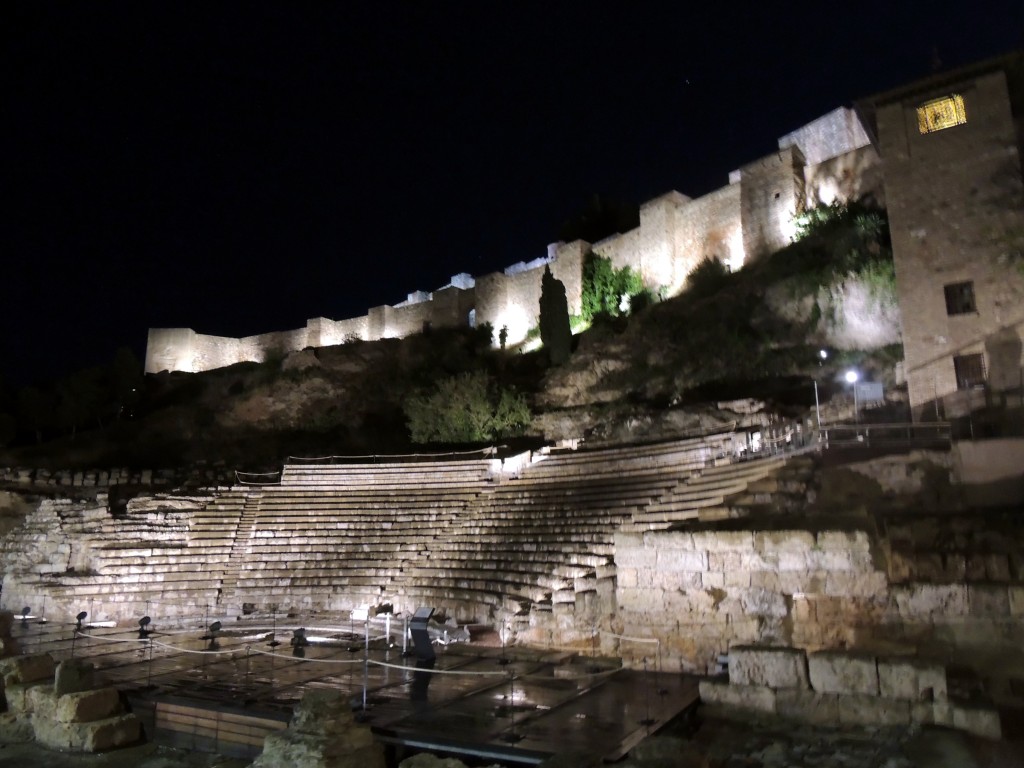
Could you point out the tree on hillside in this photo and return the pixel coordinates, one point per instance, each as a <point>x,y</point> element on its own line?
<point>35,410</point>
<point>468,408</point>
<point>125,381</point>
<point>81,398</point>
<point>555,333</point>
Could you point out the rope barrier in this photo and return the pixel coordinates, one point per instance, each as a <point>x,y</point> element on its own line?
<point>482,673</point>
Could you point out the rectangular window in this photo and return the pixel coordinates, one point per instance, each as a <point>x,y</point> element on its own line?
<point>939,114</point>
<point>970,371</point>
<point>960,298</point>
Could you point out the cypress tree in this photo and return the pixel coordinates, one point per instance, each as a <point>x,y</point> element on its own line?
<point>554,319</point>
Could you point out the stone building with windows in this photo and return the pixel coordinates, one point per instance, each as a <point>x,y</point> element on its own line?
<point>951,148</point>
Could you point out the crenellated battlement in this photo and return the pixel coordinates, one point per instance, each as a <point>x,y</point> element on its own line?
<point>826,160</point>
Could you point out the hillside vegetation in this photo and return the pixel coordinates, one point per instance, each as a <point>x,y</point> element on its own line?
<point>653,373</point>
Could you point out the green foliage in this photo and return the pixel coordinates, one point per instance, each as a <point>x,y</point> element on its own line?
<point>834,242</point>
<point>707,278</point>
<point>467,408</point>
<point>604,288</point>
<point>554,319</point>
<point>484,334</point>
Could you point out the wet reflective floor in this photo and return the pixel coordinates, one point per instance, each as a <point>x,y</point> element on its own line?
<point>514,705</point>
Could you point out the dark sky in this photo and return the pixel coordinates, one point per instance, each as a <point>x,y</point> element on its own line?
<point>238,167</point>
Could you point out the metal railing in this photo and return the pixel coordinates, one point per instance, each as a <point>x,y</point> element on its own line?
<point>937,433</point>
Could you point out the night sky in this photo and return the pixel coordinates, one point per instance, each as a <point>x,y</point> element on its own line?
<point>239,167</point>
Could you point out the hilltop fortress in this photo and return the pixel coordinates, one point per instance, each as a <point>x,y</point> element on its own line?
<point>943,154</point>
<point>826,160</point>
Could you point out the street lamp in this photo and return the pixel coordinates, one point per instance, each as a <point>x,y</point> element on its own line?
<point>851,377</point>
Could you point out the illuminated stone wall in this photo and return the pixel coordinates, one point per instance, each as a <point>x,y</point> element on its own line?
<point>771,195</point>
<point>956,210</point>
<point>748,218</point>
<point>700,593</point>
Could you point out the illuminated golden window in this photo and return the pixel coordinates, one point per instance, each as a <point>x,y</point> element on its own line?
<point>939,114</point>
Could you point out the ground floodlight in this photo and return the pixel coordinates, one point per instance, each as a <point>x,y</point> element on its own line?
<point>24,615</point>
<point>215,627</point>
<point>79,619</point>
<point>144,627</point>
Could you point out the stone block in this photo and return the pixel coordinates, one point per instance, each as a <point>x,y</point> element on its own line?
<point>997,567</point>
<point>74,675</point>
<point>911,679</point>
<point>287,749</point>
<point>856,584</point>
<point>87,706</point>
<point>95,736</point>
<point>680,560</point>
<point>27,669</point>
<point>770,542</point>
<point>988,601</point>
<point>322,712</point>
<point>846,673</point>
<point>41,700</point>
<point>723,541</point>
<point>748,698</point>
<point>752,665</point>
<point>737,579</point>
<point>921,601</point>
<point>1015,596</point>
<point>712,580</point>
<point>873,710</point>
<point>852,541</point>
<point>762,602</point>
<point>978,720</point>
<point>806,706</point>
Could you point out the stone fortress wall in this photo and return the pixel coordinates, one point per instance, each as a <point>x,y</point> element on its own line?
<point>826,160</point>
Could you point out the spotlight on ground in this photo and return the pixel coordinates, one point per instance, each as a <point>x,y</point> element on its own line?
<point>79,619</point>
<point>144,627</point>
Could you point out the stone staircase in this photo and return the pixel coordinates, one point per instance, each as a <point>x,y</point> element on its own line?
<point>240,549</point>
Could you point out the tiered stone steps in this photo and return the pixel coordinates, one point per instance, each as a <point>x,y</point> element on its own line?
<point>144,558</point>
<point>548,534</point>
<point>713,493</point>
<point>333,537</point>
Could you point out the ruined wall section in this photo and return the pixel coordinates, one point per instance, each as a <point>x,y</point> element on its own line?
<point>701,592</point>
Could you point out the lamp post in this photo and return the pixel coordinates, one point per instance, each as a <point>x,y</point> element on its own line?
<point>851,378</point>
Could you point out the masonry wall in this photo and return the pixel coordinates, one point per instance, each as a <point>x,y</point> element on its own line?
<point>956,210</point>
<point>513,300</point>
<point>771,195</point>
<point>746,219</point>
<point>700,593</point>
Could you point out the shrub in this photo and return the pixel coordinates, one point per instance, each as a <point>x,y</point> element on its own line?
<point>468,408</point>
<point>605,289</point>
<point>707,278</point>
